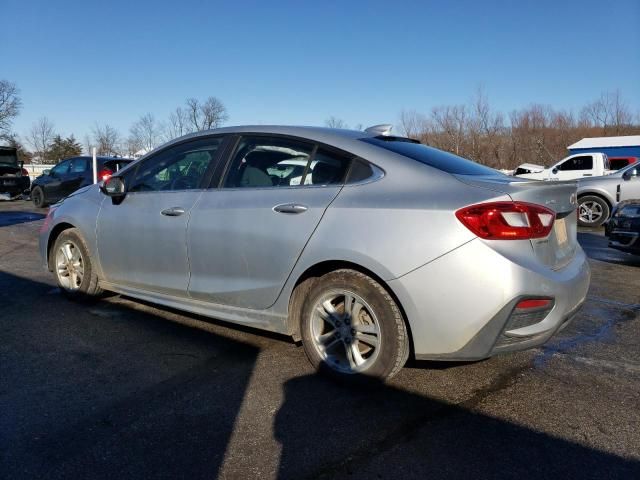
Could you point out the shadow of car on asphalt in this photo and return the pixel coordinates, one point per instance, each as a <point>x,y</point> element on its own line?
<point>597,248</point>
<point>8,218</point>
<point>181,426</point>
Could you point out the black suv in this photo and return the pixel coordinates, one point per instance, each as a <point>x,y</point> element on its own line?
<point>14,180</point>
<point>69,175</point>
<point>623,229</point>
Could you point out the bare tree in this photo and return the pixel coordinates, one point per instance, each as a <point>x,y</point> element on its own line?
<point>40,137</point>
<point>451,121</point>
<point>106,139</point>
<point>146,133</point>
<point>177,125</point>
<point>609,112</point>
<point>10,104</point>
<point>205,115</point>
<point>485,130</point>
<point>413,124</point>
<point>335,122</point>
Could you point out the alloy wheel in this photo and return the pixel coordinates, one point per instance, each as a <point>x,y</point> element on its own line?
<point>590,212</point>
<point>345,331</point>
<point>69,266</point>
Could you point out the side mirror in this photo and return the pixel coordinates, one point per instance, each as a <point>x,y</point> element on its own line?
<point>114,187</point>
<point>629,174</point>
<point>554,171</point>
<point>46,171</point>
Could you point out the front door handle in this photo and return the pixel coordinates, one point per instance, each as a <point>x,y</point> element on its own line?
<point>173,211</point>
<point>290,208</point>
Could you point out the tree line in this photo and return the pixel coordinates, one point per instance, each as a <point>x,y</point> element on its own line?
<point>43,144</point>
<point>534,134</point>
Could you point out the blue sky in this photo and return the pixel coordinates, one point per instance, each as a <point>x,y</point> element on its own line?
<point>78,62</point>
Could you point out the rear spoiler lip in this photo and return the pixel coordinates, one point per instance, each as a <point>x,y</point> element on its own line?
<point>511,188</point>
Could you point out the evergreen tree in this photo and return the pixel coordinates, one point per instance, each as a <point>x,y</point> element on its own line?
<point>62,148</point>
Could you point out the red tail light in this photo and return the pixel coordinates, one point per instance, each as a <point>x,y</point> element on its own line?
<point>534,303</point>
<point>25,172</point>
<point>104,174</point>
<point>507,220</point>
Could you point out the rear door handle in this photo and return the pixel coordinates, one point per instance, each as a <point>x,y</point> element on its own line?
<point>290,208</point>
<point>173,211</point>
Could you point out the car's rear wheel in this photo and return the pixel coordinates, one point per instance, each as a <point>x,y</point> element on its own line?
<point>37,195</point>
<point>352,329</point>
<point>72,266</point>
<point>593,211</point>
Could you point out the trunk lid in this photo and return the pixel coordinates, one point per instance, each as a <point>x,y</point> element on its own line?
<point>9,170</point>
<point>559,247</point>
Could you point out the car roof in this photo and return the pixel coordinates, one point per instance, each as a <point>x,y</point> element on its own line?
<point>331,136</point>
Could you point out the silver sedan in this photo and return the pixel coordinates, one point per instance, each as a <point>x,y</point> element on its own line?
<point>597,196</point>
<point>367,247</point>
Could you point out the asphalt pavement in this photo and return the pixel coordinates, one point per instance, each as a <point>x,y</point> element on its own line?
<point>122,389</point>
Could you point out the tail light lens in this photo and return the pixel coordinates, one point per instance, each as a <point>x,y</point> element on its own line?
<point>25,172</point>
<point>507,220</point>
<point>104,174</point>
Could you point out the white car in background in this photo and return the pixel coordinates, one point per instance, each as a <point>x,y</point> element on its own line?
<point>570,168</point>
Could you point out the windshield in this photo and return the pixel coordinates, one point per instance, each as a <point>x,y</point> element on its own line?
<point>628,167</point>
<point>447,162</point>
<point>8,156</point>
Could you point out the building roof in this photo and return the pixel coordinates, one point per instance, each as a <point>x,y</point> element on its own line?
<point>604,142</point>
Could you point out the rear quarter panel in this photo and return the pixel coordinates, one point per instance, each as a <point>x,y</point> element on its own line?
<point>393,225</point>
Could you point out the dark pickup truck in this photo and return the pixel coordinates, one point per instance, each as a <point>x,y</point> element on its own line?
<point>14,180</point>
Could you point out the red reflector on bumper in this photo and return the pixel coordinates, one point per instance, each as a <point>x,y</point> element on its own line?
<point>534,303</point>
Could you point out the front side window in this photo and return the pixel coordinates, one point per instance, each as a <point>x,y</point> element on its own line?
<point>261,162</point>
<point>577,163</point>
<point>79,165</point>
<point>181,167</point>
<point>61,169</point>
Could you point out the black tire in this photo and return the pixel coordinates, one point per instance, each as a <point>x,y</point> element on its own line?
<point>37,195</point>
<point>393,346</point>
<point>598,205</point>
<point>87,288</point>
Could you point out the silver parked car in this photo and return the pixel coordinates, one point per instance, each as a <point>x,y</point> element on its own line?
<point>365,246</point>
<point>597,196</point>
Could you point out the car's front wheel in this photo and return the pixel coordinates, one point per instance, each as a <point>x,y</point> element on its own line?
<point>72,266</point>
<point>593,211</point>
<point>37,195</point>
<point>352,328</point>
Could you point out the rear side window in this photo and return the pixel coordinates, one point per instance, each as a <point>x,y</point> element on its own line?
<point>447,162</point>
<point>115,165</point>
<point>327,168</point>
<point>618,163</point>
<point>577,163</point>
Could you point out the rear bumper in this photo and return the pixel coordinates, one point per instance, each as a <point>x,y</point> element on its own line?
<point>625,240</point>
<point>14,185</point>
<point>459,306</point>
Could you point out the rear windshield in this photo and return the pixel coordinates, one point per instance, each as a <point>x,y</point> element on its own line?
<point>115,165</point>
<point>447,162</point>
<point>9,156</point>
